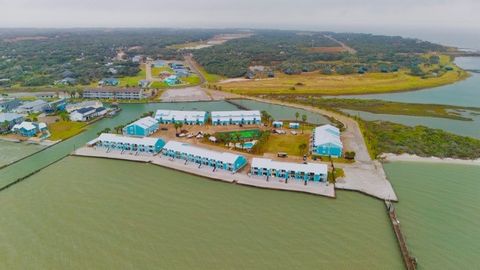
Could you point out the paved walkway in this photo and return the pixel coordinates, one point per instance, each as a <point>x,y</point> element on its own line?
<point>207,172</point>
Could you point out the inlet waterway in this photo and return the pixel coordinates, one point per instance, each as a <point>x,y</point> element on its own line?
<point>84,213</point>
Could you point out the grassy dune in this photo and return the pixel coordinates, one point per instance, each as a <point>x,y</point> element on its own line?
<point>315,83</point>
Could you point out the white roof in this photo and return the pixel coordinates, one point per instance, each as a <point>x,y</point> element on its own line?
<point>42,125</point>
<point>84,104</point>
<point>278,122</point>
<point>108,137</point>
<point>329,128</point>
<point>202,152</point>
<point>327,134</point>
<point>181,115</point>
<point>315,168</point>
<point>236,115</point>
<point>25,125</point>
<point>145,122</point>
<point>9,117</point>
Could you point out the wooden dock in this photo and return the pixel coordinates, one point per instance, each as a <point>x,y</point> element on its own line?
<point>410,261</point>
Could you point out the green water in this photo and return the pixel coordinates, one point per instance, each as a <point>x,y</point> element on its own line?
<point>85,213</point>
<point>464,128</point>
<point>129,113</point>
<point>463,93</point>
<point>10,151</point>
<point>439,210</point>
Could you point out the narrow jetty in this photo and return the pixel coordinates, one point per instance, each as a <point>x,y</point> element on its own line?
<point>410,261</point>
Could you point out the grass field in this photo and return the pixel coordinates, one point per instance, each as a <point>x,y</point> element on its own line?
<point>316,83</point>
<point>287,143</point>
<point>244,134</point>
<point>65,129</point>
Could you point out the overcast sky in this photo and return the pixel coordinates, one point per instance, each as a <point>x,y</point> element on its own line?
<point>312,14</point>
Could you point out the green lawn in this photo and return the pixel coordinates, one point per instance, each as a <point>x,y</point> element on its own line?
<point>132,81</point>
<point>65,129</point>
<point>287,143</point>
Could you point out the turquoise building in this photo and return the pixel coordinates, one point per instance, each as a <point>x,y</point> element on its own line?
<point>142,127</point>
<point>184,117</point>
<point>267,168</point>
<point>204,157</point>
<point>326,141</point>
<point>294,125</point>
<point>223,118</point>
<point>128,144</point>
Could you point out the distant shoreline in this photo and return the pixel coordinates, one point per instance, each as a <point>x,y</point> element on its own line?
<point>389,157</point>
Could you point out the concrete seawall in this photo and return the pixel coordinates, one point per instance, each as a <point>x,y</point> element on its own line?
<point>322,189</point>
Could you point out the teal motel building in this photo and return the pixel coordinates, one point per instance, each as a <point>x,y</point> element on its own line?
<point>326,141</point>
<point>142,127</point>
<point>223,118</point>
<point>121,143</point>
<point>204,157</point>
<point>313,172</point>
<point>184,117</point>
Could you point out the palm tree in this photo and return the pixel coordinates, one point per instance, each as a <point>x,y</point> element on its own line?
<point>118,129</point>
<point>177,125</point>
<point>304,120</point>
<point>301,148</point>
<point>297,114</point>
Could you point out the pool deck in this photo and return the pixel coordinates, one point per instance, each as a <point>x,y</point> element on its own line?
<point>322,189</point>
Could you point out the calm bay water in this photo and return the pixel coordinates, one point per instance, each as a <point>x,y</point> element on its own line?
<point>123,215</point>
<point>463,93</point>
<point>83,213</point>
<point>439,211</point>
<point>10,151</point>
<point>464,128</point>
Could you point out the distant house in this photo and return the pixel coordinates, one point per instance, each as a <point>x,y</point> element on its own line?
<point>29,129</point>
<point>86,114</point>
<point>277,124</point>
<point>85,104</point>
<point>83,114</point>
<point>36,106</point>
<point>68,74</point>
<point>176,66</point>
<point>159,63</point>
<point>142,127</point>
<point>326,141</point>
<point>144,83</point>
<point>129,144</point>
<point>66,81</point>
<point>8,120</point>
<point>184,117</point>
<point>109,82</point>
<point>236,117</point>
<point>294,125</point>
<point>182,73</point>
<point>8,104</point>
<point>113,71</point>
<point>172,80</point>
<point>114,93</point>
<point>57,105</point>
<point>138,58</point>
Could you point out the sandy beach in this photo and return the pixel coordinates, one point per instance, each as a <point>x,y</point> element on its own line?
<point>414,158</point>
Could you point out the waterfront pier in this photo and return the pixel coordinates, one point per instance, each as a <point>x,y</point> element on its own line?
<point>408,259</point>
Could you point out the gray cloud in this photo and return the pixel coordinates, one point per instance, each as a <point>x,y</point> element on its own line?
<point>313,14</point>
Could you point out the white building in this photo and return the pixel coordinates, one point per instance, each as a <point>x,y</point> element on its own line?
<point>85,104</point>
<point>114,93</point>
<point>236,117</point>
<point>326,141</point>
<point>131,144</point>
<point>85,114</point>
<point>35,106</point>
<point>185,117</point>
<point>286,170</point>
<point>204,157</point>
